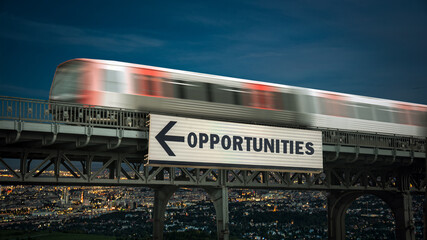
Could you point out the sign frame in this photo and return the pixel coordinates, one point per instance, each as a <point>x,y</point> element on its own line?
<point>199,143</point>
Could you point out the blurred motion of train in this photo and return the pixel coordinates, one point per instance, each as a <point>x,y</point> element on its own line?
<point>189,94</point>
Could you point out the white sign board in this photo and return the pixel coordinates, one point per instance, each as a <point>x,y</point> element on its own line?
<point>177,141</point>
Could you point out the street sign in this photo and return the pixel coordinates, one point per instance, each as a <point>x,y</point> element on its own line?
<point>178,141</point>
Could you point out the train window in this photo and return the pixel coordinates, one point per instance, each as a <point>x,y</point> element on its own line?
<point>309,104</point>
<point>67,78</point>
<point>221,94</point>
<point>138,81</point>
<point>277,100</point>
<point>383,114</point>
<point>289,102</point>
<point>209,95</point>
<point>150,85</point>
<point>195,91</point>
<point>416,118</point>
<point>261,99</point>
<point>400,116</point>
<point>335,107</point>
<point>114,81</point>
<point>327,107</point>
<point>261,96</point>
<point>246,97</point>
<point>348,109</point>
<point>364,111</point>
<point>167,87</point>
<point>147,85</point>
<point>235,95</point>
<point>406,116</point>
<point>179,89</point>
<point>186,90</point>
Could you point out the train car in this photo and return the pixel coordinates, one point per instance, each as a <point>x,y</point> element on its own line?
<point>189,94</point>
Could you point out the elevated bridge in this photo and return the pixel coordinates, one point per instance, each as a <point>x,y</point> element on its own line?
<point>52,143</point>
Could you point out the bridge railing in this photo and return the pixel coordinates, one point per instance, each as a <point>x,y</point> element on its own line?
<point>374,140</point>
<point>31,110</point>
<point>22,109</point>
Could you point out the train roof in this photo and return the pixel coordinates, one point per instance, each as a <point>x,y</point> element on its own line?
<point>311,91</point>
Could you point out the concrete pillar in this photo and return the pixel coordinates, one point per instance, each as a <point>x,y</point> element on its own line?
<point>338,203</point>
<point>161,198</point>
<point>219,197</point>
<point>401,204</point>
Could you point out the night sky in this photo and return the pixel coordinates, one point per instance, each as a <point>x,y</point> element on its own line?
<point>370,48</point>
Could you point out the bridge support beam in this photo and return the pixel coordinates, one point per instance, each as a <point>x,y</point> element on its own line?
<point>400,203</point>
<point>219,197</point>
<point>161,198</point>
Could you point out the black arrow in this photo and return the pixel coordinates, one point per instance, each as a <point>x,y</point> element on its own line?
<point>162,138</point>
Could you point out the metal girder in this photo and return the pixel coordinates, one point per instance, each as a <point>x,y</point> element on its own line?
<point>88,168</point>
<point>77,167</point>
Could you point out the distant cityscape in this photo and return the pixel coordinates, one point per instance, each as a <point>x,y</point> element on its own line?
<point>126,213</point>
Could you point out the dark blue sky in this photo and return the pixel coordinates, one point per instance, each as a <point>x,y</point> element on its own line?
<point>371,48</point>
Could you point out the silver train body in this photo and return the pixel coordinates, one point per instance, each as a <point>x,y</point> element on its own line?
<point>175,92</point>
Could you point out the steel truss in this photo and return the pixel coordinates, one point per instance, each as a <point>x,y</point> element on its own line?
<point>59,167</point>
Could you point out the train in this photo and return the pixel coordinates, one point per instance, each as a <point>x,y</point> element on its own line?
<point>190,94</point>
